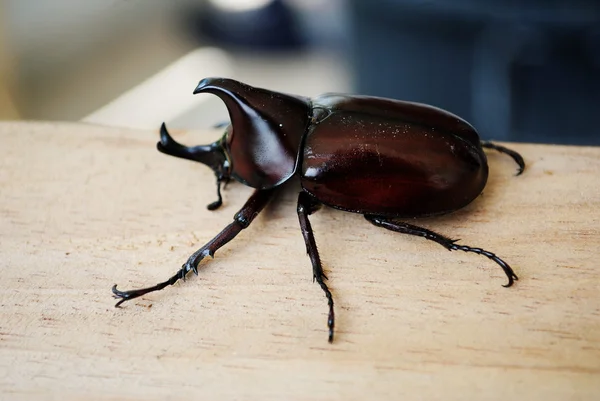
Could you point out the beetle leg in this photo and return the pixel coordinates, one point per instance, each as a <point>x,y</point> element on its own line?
<point>449,244</point>
<point>516,156</point>
<point>257,201</point>
<point>307,206</point>
<point>216,204</point>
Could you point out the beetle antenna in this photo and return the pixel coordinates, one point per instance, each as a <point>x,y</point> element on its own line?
<point>221,124</point>
<point>516,156</point>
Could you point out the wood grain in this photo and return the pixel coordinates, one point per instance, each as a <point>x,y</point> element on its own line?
<point>83,207</point>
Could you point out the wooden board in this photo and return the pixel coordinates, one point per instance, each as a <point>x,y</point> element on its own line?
<point>84,207</point>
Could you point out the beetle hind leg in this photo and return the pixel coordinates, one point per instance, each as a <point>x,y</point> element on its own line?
<point>516,156</point>
<point>449,244</point>
<point>307,206</point>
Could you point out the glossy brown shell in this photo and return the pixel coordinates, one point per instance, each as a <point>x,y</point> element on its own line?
<point>380,156</point>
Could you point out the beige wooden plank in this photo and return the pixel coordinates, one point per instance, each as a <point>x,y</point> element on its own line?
<point>84,207</point>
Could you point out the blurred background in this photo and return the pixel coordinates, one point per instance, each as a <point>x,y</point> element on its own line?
<point>518,71</point>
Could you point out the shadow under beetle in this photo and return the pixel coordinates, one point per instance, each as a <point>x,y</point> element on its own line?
<point>383,158</point>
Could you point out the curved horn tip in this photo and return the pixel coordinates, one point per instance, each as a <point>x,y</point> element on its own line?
<point>165,137</point>
<point>217,82</point>
<point>204,83</point>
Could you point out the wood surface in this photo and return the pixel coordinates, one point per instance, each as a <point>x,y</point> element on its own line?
<point>84,207</point>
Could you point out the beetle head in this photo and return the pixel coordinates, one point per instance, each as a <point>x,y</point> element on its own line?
<point>264,137</point>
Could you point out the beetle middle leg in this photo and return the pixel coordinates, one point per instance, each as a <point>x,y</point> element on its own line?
<point>307,206</point>
<point>446,242</point>
<point>242,219</point>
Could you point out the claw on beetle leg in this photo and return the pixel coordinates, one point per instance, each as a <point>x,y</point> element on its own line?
<point>244,217</point>
<point>449,244</point>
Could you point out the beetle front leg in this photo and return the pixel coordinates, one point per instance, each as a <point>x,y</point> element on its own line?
<point>446,242</point>
<point>307,206</point>
<point>257,201</point>
<point>219,202</point>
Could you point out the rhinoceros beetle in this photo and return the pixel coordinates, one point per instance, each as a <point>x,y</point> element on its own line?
<point>385,159</point>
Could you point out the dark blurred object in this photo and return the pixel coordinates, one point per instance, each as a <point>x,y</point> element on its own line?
<point>518,71</point>
<point>269,27</point>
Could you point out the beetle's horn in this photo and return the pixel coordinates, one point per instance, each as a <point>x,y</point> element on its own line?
<point>212,155</point>
<point>265,132</point>
<point>245,102</point>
